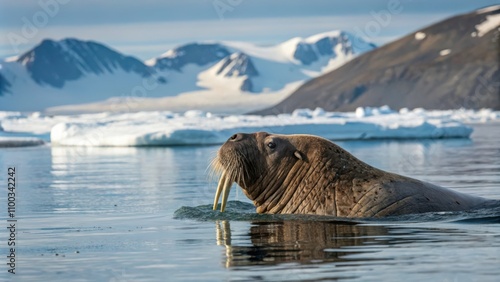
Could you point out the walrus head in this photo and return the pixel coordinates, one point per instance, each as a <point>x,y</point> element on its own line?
<point>279,173</point>
<point>256,162</point>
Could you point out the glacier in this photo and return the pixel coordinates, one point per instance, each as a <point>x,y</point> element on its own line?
<point>195,127</point>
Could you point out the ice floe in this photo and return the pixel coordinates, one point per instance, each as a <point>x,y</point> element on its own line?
<point>163,128</point>
<point>19,142</point>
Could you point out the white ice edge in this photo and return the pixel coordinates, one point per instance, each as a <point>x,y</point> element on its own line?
<point>162,128</point>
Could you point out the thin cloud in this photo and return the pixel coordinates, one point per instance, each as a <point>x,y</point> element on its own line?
<point>154,35</point>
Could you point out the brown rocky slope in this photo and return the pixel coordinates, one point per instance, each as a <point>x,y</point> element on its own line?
<point>453,66</point>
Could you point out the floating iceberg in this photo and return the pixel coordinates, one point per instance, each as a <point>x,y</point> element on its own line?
<point>162,128</point>
<point>8,141</point>
<point>16,139</point>
<point>199,128</point>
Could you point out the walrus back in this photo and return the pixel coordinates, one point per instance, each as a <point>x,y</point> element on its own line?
<point>413,196</point>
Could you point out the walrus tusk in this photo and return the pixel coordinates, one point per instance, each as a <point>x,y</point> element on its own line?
<point>227,187</point>
<point>219,189</point>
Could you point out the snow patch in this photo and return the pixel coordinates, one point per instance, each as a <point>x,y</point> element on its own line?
<point>488,9</point>
<point>444,52</point>
<point>315,38</point>
<point>491,22</point>
<point>340,60</point>
<point>150,62</point>
<point>420,35</point>
<point>282,53</point>
<point>170,54</point>
<point>11,59</point>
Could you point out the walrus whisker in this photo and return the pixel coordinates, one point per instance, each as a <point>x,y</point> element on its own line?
<point>222,182</point>
<point>213,170</point>
<point>244,172</point>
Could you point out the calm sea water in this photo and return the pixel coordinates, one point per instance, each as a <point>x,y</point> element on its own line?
<point>143,214</point>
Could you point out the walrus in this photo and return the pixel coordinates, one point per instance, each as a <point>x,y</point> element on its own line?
<point>307,174</point>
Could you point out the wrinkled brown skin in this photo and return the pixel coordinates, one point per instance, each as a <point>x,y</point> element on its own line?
<point>307,174</point>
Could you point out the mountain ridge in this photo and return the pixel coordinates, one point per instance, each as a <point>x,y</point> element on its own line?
<point>77,72</point>
<point>449,64</point>
<point>77,58</point>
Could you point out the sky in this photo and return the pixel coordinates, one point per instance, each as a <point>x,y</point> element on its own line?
<point>148,28</point>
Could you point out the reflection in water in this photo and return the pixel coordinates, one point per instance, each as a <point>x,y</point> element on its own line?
<point>408,157</point>
<point>303,242</point>
<point>114,206</point>
<point>123,179</point>
<point>291,250</point>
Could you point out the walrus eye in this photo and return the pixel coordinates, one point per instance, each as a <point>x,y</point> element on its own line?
<point>271,145</point>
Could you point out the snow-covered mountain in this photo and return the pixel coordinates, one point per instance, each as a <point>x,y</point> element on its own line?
<point>75,75</point>
<point>54,63</point>
<point>193,53</point>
